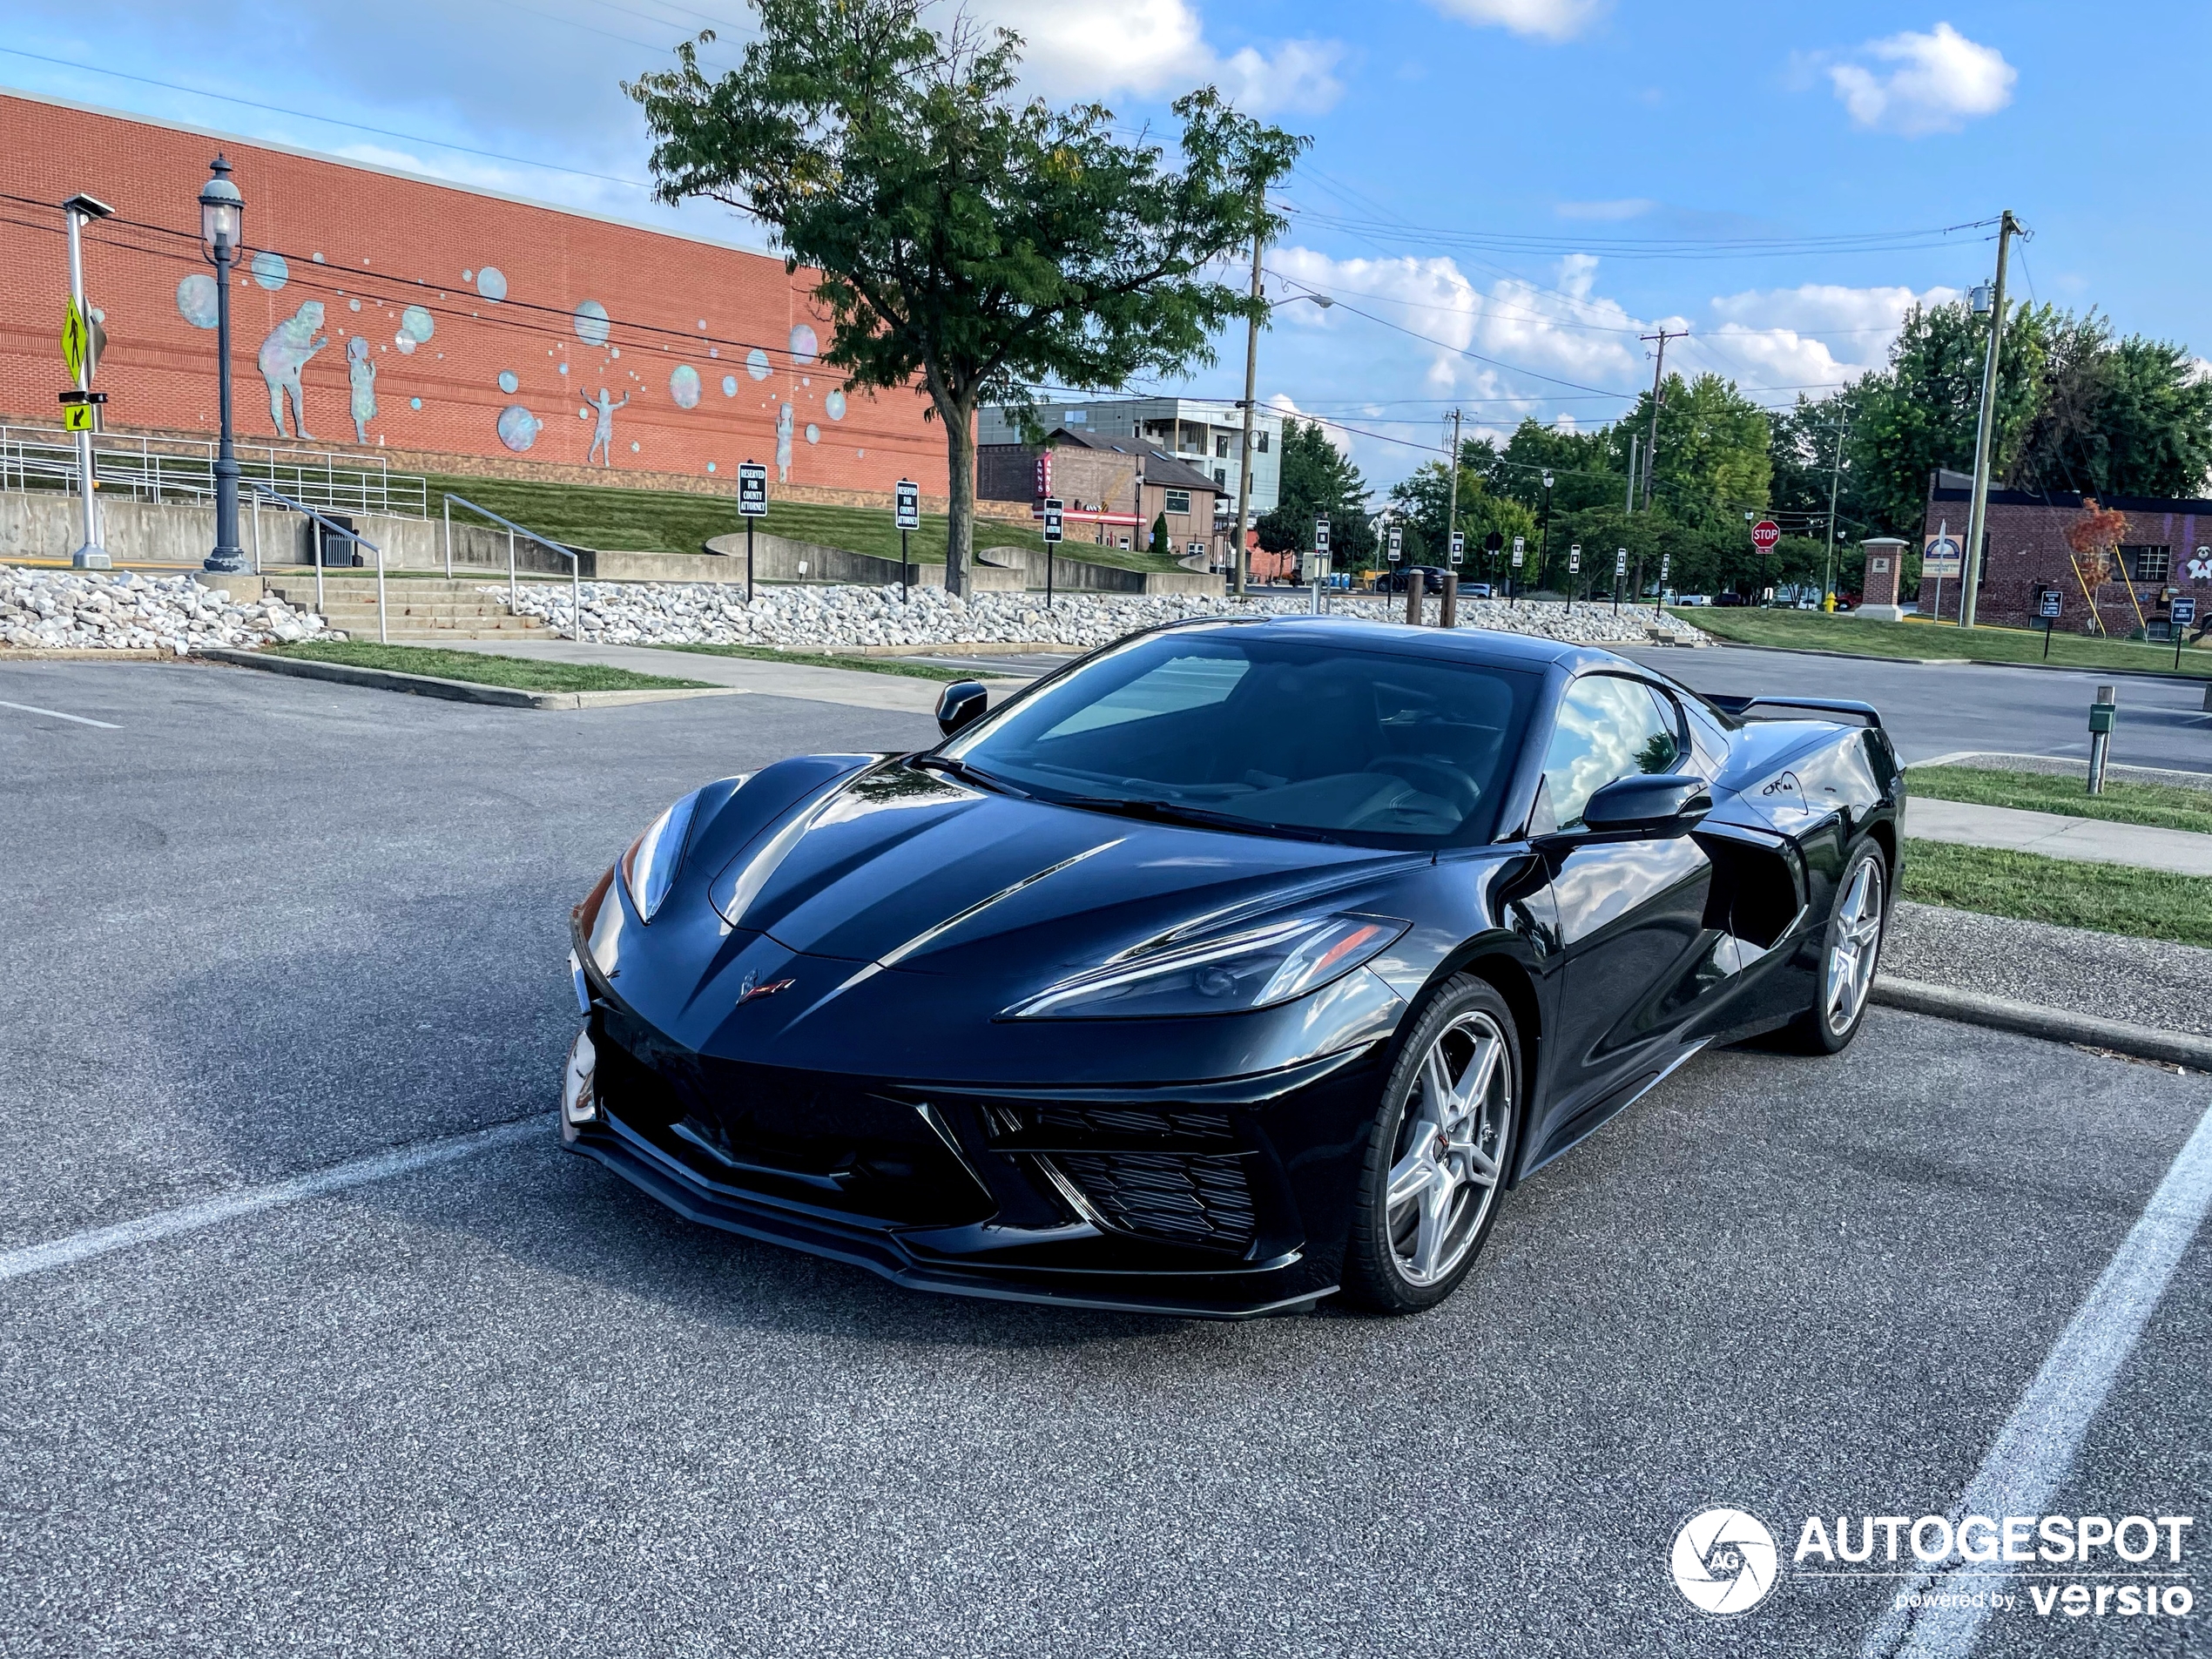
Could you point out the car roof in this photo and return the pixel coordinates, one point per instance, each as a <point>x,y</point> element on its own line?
<point>1491,647</point>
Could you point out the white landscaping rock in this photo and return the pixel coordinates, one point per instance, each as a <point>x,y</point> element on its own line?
<point>123,611</point>
<point>636,613</point>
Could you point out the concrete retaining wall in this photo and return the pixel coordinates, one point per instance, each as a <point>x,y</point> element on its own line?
<point>36,524</point>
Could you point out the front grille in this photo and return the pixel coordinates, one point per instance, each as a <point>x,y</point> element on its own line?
<point>1174,1174</point>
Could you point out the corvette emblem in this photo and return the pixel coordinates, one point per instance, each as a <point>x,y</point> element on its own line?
<point>747,990</point>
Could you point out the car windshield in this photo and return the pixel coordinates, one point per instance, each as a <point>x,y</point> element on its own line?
<point>1300,737</point>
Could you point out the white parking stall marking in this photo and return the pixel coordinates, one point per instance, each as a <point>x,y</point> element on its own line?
<point>55,714</point>
<point>2036,1448</point>
<point>167,1223</point>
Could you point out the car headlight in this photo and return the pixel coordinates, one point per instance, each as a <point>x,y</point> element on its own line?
<point>649,868</point>
<point>1254,969</point>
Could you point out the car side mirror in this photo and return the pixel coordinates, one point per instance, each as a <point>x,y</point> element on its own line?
<point>961,703</point>
<point>1665,803</point>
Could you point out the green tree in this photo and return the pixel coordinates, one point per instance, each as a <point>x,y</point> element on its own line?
<point>1714,456</point>
<point>1161,546</point>
<point>1316,478</point>
<point>1423,501</point>
<point>2127,417</point>
<point>964,238</point>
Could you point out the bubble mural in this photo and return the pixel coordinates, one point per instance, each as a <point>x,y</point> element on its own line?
<point>684,386</point>
<point>284,353</point>
<point>592,324</point>
<point>814,432</point>
<point>509,381</point>
<point>729,386</point>
<point>833,406</point>
<point>270,270</point>
<point>197,297</point>
<point>804,346</point>
<point>783,444</point>
<point>491,284</point>
<point>518,428</point>
<point>417,324</point>
<point>756,362</point>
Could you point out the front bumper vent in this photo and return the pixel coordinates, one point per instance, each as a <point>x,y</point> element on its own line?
<point>1176,1176</point>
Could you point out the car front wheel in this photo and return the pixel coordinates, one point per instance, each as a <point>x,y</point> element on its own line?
<point>1438,1153</point>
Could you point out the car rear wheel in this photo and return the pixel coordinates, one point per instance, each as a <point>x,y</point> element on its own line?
<point>1851,950</point>
<point>1438,1154</point>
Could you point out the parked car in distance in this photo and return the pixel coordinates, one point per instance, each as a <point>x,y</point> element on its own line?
<point>1691,599</point>
<point>1394,580</point>
<point>1729,599</point>
<point>1477,591</point>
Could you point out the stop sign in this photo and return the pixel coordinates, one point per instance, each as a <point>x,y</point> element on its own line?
<point>1766,533</point>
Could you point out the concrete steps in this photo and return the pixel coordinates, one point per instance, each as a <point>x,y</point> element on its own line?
<point>416,611</point>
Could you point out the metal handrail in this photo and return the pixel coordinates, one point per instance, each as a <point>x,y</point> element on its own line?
<point>383,633</point>
<point>123,462</point>
<point>576,563</point>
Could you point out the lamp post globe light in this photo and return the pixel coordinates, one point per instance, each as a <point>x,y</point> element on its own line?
<point>222,213</point>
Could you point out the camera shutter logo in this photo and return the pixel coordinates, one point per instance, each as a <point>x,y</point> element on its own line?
<point>1724,1561</point>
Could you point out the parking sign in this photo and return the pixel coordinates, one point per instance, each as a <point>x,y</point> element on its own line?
<point>1459,546</point>
<point>1520,544</point>
<point>753,489</point>
<point>909,504</point>
<point>1321,533</point>
<point>2183,612</point>
<point>1397,543</point>
<point>1574,559</point>
<point>1052,518</point>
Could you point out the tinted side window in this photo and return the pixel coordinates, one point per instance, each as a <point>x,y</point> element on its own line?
<point>1607,728</point>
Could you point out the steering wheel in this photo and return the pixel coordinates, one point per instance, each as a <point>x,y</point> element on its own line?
<point>1434,778</point>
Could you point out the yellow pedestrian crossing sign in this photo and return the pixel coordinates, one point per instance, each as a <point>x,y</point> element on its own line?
<point>76,340</point>
<point>76,417</point>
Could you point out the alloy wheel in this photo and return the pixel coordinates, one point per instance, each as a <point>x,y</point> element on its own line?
<point>1445,1170</point>
<point>1856,945</point>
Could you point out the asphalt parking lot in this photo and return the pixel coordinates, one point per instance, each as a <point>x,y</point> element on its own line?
<point>259,927</point>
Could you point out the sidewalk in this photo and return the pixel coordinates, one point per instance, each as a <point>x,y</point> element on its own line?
<point>2092,839</point>
<point>854,688</point>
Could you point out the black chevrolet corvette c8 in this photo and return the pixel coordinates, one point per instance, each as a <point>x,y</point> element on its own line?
<point>1239,964</point>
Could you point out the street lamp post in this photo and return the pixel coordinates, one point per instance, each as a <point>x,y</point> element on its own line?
<point>1237,554</point>
<point>222,213</point>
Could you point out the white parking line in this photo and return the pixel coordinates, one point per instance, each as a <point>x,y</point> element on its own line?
<point>55,714</point>
<point>80,1247</point>
<point>2037,1446</point>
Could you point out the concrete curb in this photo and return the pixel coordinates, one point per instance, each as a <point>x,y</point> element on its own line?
<point>90,654</point>
<point>504,696</point>
<point>2168,678</point>
<point>2055,1025</point>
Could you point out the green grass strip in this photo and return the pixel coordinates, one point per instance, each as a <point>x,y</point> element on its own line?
<point>825,659</point>
<point>1811,630</point>
<point>2162,806</point>
<point>2106,897</point>
<point>673,520</point>
<point>483,668</point>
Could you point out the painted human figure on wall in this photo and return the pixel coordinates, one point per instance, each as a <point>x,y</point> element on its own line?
<point>783,444</point>
<point>602,434</point>
<point>362,374</point>
<point>284,353</point>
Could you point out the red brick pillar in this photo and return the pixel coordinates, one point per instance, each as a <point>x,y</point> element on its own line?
<point>1885,569</point>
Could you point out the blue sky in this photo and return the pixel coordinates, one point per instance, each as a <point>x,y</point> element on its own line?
<point>1513,190</point>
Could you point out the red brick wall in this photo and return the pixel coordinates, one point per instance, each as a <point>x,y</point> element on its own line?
<point>368,247</point>
<point>2028,548</point>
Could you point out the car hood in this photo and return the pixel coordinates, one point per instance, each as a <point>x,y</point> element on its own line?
<point>911,869</point>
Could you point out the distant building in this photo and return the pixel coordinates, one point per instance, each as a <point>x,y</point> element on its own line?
<point>1201,435</point>
<point>1111,491</point>
<point>2166,549</point>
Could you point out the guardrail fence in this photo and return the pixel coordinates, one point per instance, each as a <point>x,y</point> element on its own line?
<point>513,530</point>
<point>182,470</point>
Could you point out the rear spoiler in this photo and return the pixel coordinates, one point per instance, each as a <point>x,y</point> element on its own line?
<point>1740,707</point>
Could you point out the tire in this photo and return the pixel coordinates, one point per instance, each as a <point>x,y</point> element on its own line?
<point>1447,1166</point>
<point>1850,951</point>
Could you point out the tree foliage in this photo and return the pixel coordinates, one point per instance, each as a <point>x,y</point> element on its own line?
<point>965,238</point>
<point>1315,478</point>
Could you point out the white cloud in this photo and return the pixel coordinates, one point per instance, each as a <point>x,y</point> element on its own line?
<point>1095,48</point>
<point>1540,19</point>
<point>1941,81</point>
<point>1817,335</point>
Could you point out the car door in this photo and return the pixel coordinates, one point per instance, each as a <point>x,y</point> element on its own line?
<point>1631,913</point>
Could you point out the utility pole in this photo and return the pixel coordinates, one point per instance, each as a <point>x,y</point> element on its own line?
<point>1658,376</point>
<point>1977,515</point>
<point>1835,480</point>
<point>1629,506</point>
<point>1251,389</point>
<point>1452,486</point>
